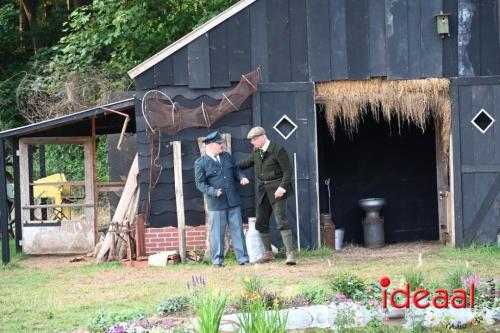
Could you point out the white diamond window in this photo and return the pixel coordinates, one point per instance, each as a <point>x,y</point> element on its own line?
<point>285,127</point>
<point>482,121</point>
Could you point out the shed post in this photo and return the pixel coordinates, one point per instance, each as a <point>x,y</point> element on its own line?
<point>17,195</point>
<point>4,213</point>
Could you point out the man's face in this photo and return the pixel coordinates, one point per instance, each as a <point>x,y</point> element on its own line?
<point>215,148</point>
<point>258,141</point>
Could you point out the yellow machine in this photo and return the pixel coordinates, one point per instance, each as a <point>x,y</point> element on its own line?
<point>56,194</point>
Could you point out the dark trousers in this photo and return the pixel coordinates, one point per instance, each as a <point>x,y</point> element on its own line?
<point>264,211</point>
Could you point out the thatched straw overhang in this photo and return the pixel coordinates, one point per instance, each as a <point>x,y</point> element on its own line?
<point>407,101</point>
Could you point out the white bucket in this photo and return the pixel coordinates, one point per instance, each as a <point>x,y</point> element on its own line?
<point>339,238</point>
<point>255,247</point>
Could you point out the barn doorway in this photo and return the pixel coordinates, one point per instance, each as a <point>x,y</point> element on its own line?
<point>381,159</point>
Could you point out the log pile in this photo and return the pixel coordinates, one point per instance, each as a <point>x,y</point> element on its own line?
<point>120,240</point>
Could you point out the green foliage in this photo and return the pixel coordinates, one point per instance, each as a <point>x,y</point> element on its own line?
<point>116,35</point>
<point>252,284</point>
<point>471,252</point>
<point>9,34</point>
<point>173,304</point>
<point>415,277</point>
<point>253,290</point>
<point>344,319</point>
<point>103,320</point>
<point>255,319</point>
<point>69,159</point>
<point>454,277</point>
<point>348,284</point>
<point>209,308</point>
<point>315,294</point>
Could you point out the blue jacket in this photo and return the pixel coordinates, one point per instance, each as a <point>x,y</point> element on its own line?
<point>211,176</point>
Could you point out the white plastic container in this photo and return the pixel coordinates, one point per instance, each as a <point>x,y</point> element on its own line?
<point>255,247</point>
<point>339,238</point>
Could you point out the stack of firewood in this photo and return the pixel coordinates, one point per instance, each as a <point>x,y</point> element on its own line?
<point>119,242</point>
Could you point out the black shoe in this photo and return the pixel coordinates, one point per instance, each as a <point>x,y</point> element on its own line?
<point>244,263</point>
<point>218,265</point>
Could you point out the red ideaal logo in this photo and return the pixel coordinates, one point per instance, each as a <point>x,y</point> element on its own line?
<point>439,299</point>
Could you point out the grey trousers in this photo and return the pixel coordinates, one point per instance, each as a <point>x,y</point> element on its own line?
<point>220,218</point>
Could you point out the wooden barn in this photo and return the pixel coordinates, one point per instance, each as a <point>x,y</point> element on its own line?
<point>396,99</point>
<point>437,180</point>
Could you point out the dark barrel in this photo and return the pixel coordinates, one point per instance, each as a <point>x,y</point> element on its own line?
<point>327,231</point>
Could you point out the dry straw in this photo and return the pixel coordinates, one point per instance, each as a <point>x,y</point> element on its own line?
<point>407,101</point>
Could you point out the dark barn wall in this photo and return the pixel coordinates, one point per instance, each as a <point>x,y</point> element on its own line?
<point>322,40</point>
<point>163,210</point>
<point>318,40</point>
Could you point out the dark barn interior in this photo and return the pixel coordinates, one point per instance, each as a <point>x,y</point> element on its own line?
<point>380,161</point>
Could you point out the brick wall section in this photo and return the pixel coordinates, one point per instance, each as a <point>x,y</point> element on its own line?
<point>167,239</point>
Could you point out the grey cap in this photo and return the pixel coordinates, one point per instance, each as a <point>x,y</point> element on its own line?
<point>256,131</point>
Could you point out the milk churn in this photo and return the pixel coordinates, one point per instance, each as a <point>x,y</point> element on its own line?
<point>255,247</point>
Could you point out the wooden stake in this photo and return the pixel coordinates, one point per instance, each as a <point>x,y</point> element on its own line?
<point>179,199</point>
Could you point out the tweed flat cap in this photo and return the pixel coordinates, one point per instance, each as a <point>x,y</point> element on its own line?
<point>213,137</point>
<point>256,131</point>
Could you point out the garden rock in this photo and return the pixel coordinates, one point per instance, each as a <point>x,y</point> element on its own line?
<point>395,314</point>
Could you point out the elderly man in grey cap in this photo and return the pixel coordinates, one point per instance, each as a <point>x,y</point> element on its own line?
<point>216,175</point>
<point>274,172</point>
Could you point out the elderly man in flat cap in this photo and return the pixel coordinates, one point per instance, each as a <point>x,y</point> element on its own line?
<point>272,168</point>
<point>216,175</point>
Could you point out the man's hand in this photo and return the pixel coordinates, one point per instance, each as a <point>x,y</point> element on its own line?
<point>279,192</point>
<point>218,193</point>
<point>244,181</point>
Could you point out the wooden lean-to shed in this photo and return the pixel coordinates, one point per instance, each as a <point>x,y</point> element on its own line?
<point>52,230</point>
<point>408,83</point>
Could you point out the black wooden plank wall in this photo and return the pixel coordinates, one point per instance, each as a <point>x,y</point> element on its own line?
<point>163,206</point>
<point>321,40</point>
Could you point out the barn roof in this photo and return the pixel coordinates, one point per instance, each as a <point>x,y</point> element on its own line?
<point>180,43</point>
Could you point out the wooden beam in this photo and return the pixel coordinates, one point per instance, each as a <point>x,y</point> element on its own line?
<point>58,206</point>
<point>43,174</point>
<point>56,140</point>
<point>128,192</point>
<point>208,225</point>
<point>17,196</point>
<point>4,212</point>
<point>179,199</point>
<point>80,183</point>
<point>90,198</point>
<point>24,193</point>
<point>94,183</point>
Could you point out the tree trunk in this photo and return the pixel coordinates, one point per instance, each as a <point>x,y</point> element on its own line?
<point>23,26</point>
<point>30,7</point>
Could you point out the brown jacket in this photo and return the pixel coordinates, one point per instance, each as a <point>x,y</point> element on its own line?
<point>273,170</point>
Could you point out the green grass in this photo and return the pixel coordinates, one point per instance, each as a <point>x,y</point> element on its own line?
<point>14,256</point>
<point>66,297</point>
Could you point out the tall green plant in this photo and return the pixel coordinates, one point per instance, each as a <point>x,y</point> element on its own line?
<point>454,277</point>
<point>414,277</point>
<point>209,308</point>
<point>255,319</point>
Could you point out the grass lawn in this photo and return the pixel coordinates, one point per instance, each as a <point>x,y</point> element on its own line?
<point>49,294</point>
